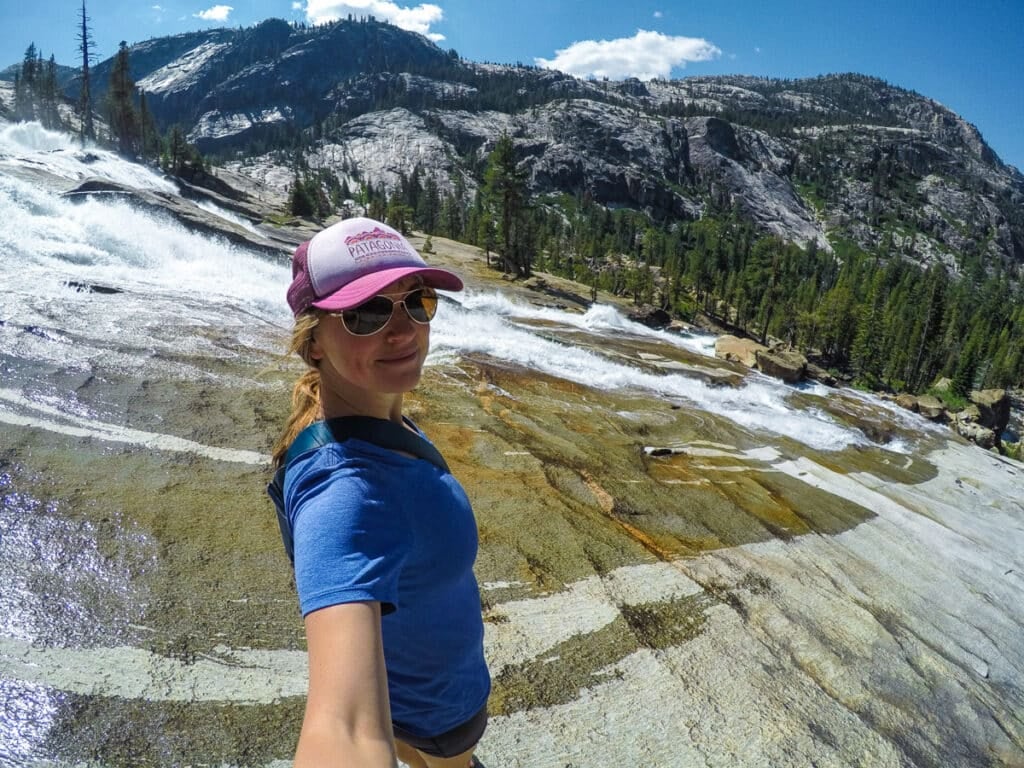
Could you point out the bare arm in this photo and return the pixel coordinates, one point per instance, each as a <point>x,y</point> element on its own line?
<point>348,718</point>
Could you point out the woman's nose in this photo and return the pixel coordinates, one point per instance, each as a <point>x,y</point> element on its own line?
<point>401,321</point>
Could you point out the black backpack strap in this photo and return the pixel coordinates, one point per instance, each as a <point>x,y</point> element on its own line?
<point>382,432</point>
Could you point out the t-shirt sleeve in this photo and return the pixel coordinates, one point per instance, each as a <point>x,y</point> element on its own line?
<point>349,546</point>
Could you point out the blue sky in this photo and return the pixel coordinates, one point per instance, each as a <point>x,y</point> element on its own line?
<point>965,55</point>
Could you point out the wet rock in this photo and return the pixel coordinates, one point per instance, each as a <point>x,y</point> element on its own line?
<point>994,407</point>
<point>660,450</point>
<point>778,361</point>
<point>737,350</point>
<point>786,364</point>
<point>965,426</point>
<point>652,317</point>
<point>564,292</point>
<point>931,408</point>
<point>969,415</point>
<point>84,287</point>
<point>908,401</point>
<point>819,374</point>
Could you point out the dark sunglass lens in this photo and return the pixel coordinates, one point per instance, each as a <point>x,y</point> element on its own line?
<point>422,305</point>
<point>369,317</point>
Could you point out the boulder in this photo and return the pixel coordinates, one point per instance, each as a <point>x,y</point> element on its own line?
<point>969,415</point>
<point>931,408</point>
<point>652,317</point>
<point>975,432</point>
<point>906,400</point>
<point>737,350</point>
<point>782,363</point>
<point>994,407</point>
<point>819,374</point>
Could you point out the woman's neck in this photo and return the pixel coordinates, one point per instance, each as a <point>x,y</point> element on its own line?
<point>378,405</point>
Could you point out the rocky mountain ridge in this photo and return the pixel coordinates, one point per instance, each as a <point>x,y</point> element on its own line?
<point>834,160</point>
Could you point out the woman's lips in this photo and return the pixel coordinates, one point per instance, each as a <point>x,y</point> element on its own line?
<point>400,358</point>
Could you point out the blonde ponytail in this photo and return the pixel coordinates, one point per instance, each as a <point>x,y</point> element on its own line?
<point>306,407</point>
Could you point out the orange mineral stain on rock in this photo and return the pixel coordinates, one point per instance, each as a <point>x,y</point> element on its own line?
<point>563,488</point>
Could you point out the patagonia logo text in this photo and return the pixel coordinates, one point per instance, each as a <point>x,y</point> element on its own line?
<point>374,243</point>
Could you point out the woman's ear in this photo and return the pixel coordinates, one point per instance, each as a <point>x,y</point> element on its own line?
<point>315,351</point>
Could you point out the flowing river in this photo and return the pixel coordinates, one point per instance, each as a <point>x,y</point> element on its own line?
<point>798,536</point>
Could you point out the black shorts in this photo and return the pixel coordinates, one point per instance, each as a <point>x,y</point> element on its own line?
<point>459,739</point>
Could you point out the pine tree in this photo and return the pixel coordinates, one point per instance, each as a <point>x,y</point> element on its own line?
<point>485,235</point>
<point>25,87</point>
<point>377,204</point>
<point>49,95</point>
<point>149,134</point>
<point>963,376</point>
<point>85,42</point>
<point>505,194</point>
<point>399,215</point>
<point>761,281</point>
<point>428,212</point>
<point>121,114</point>
<point>300,201</point>
<point>176,152</point>
<point>866,348</point>
<point>929,302</point>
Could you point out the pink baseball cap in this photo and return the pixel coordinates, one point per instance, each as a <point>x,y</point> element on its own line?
<point>351,261</point>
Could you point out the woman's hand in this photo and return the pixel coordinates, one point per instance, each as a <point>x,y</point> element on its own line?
<point>348,718</point>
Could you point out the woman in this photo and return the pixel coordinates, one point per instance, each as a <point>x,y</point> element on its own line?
<point>384,542</point>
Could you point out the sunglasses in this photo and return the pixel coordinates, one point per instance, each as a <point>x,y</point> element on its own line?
<point>372,315</point>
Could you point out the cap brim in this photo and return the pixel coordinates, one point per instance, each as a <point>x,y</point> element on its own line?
<point>363,288</point>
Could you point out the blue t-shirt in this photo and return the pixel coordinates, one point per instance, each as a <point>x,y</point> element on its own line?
<point>371,524</point>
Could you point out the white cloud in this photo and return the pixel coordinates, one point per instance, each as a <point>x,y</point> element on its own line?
<point>216,13</point>
<point>296,6</point>
<point>646,55</point>
<point>757,50</point>
<point>415,19</point>
<point>658,14</point>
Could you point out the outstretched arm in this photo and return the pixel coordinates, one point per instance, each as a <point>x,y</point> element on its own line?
<point>348,718</point>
